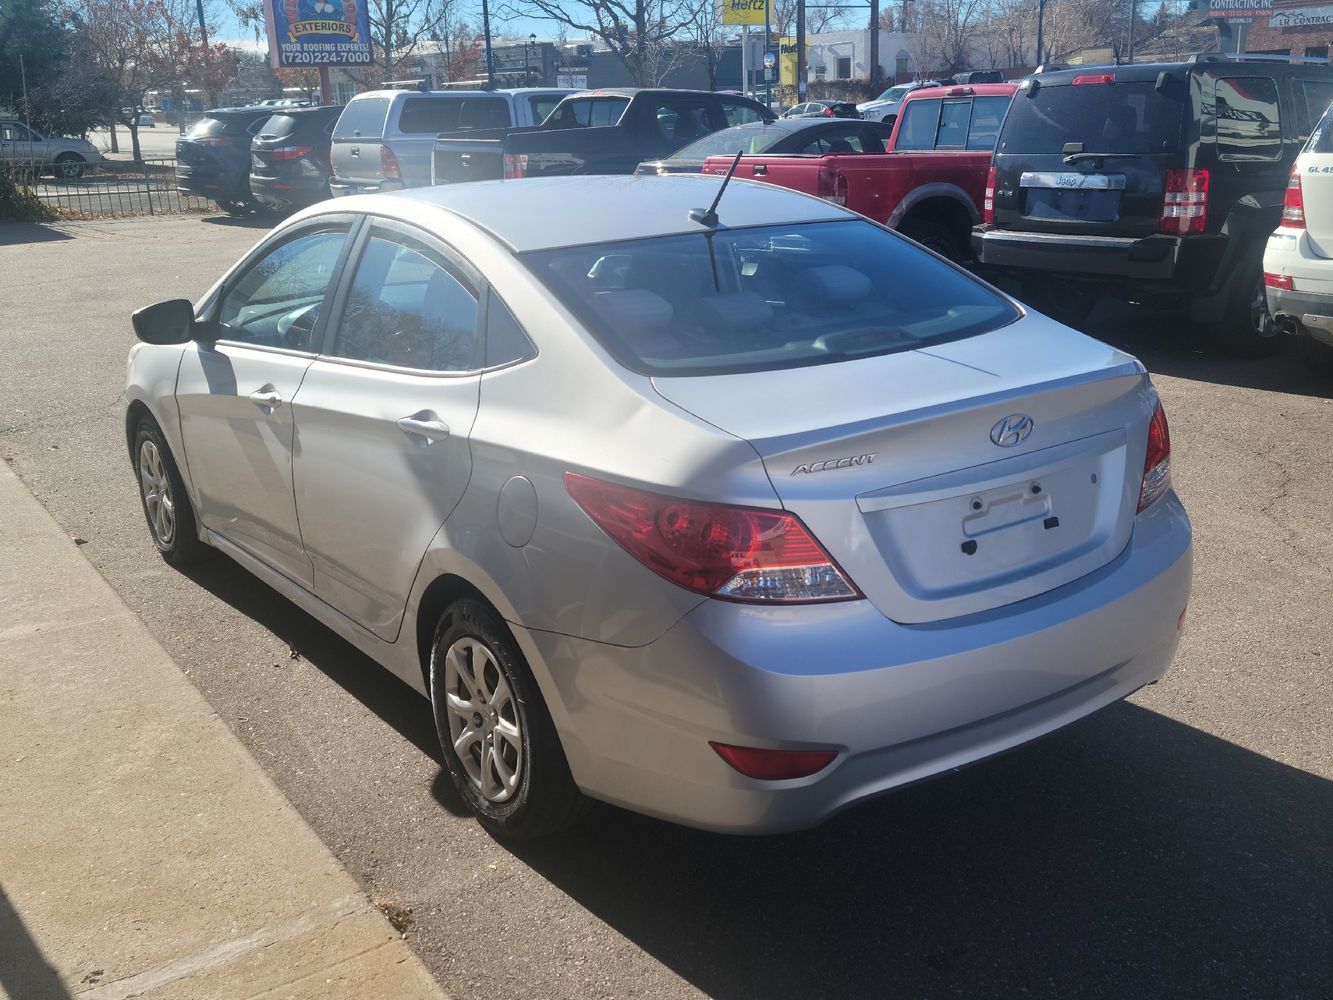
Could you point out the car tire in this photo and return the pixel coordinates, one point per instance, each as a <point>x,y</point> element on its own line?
<point>499,743</point>
<point>236,208</point>
<point>1067,303</point>
<point>932,236</point>
<point>1318,356</point>
<point>166,504</point>
<point>1247,329</point>
<point>69,166</point>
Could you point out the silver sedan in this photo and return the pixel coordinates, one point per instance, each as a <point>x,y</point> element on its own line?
<point>731,519</point>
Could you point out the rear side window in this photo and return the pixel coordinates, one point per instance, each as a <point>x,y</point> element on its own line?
<point>430,115</point>
<point>485,112</point>
<point>987,116</point>
<point>363,118</point>
<point>740,114</point>
<point>1132,117</point>
<point>1248,123</point>
<point>917,130</point>
<point>766,297</point>
<point>590,112</point>
<point>506,343</point>
<point>681,122</point>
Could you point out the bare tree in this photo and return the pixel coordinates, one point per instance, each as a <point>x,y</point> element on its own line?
<point>710,35</point>
<point>640,33</point>
<point>946,33</point>
<point>817,19</point>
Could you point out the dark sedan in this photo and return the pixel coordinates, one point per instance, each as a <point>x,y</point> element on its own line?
<point>289,158</point>
<point>213,158</point>
<point>786,135</point>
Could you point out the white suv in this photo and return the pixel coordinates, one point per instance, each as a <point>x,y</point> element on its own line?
<point>1298,261</point>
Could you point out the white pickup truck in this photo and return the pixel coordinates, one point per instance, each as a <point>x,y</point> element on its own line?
<point>64,157</point>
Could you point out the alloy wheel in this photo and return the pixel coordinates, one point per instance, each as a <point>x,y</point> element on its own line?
<point>157,498</point>
<point>484,724</point>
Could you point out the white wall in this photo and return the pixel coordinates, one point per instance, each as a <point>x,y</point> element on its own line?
<point>824,50</point>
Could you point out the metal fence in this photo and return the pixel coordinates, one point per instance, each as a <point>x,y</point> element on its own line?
<point>119,188</point>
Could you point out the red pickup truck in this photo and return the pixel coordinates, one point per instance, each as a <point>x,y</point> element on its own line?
<point>930,181</point>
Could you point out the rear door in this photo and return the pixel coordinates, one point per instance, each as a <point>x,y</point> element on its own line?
<point>355,149</point>
<point>385,417</point>
<point>1088,154</point>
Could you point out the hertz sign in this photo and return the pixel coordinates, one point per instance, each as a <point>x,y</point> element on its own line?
<point>743,11</point>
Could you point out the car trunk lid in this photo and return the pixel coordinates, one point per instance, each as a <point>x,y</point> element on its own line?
<point>905,469</point>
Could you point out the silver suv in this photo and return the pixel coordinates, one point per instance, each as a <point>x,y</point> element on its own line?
<point>385,139</point>
<point>64,157</point>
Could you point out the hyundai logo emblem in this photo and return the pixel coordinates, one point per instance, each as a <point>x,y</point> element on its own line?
<point>1011,430</point>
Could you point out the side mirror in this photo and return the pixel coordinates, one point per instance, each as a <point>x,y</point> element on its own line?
<point>169,322</point>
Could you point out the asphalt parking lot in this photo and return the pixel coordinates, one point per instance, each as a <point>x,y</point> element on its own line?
<point>1177,845</point>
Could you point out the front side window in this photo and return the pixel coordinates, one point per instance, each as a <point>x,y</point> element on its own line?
<point>14,132</point>
<point>681,122</point>
<point>542,105</point>
<point>407,308</point>
<point>917,130</point>
<point>277,301</point>
<point>1248,124</point>
<point>765,297</point>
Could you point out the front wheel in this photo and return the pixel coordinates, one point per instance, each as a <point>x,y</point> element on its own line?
<point>499,742</point>
<point>69,167</point>
<point>166,505</point>
<point>1247,329</point>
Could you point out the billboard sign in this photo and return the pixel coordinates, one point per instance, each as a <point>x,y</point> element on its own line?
<point>1301,17</point>
<point>1240,9</point>
<point>743,11</point>
<point>318,33</point>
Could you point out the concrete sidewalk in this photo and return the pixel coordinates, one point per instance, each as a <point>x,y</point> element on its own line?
<point>143,853</point>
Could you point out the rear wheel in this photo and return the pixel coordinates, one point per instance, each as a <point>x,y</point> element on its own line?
<point>1318,356</point>
<point>932,236</point>
<point>236,207</point>
<point>1247,329</point>
<point>1067,302</point>
<point>166,505</point>
<point>499,742</point>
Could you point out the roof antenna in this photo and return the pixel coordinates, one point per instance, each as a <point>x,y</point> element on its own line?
<point>709,217</point>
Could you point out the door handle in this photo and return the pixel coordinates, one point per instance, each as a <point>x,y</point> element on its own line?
<point>267,397</point>
<point>425,427</point>
<point>760,169</point>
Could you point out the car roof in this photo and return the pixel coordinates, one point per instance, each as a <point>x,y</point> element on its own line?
<point>547,212</point>
<point>423,93</point>
<point>1211,63</point>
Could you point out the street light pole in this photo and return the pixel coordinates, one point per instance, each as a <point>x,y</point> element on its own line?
<point>1133,16</point>
<point>768,73</point>
<point>1041,17</point>
<point>486,31</point>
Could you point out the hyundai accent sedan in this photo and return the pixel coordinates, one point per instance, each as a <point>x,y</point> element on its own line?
<point>733,518</point>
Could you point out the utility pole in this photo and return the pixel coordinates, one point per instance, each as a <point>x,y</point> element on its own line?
<point>800,51</point>
<point>486,30</point>
<point>768,47</point>
<point>874,45</point>
<point>1041,17</point>
<point>1133,16</point>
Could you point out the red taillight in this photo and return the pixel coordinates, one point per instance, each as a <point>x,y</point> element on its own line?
<point>1293,205</point>
<point>389,163</point>
<point>1157,462</point>
<point>988,201</point>
<point>774,765</point>
<point>737,553</point>
<point>1185,202</point>
<point>1093,78</point>
<point>289,152</point>
<point>832,186</point>
<point>1282,281</point>
<point>516,165</point>
<point>828,112</point>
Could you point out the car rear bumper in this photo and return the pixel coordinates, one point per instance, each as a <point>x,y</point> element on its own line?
<point>210,184</point>
<point>1184,262</point>
<point>340,187</point>
<point>899,703</point>
<point>296,191</point>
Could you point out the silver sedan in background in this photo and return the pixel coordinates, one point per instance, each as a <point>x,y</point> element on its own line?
<point>731,519</point>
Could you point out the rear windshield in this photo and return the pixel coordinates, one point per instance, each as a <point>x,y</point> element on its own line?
<point>725,143</point>
<point>362,119</point>
<point>206,126</point>
<point>588,112</point>
<point>766,297</point>
<point>1105,118</point>
<point>279,126</point>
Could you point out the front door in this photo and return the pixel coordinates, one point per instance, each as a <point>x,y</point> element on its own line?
<point>235,396</point>
<point>384,421</point>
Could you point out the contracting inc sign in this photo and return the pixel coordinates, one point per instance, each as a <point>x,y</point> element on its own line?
<point>1242,9</point>
<point>318,33</point>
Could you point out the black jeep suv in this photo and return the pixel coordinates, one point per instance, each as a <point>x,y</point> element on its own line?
<point>1151,182</point>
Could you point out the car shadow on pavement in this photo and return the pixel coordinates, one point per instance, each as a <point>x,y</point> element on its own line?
<point>1127,856</point>
<point>361,677</point>
<point>24,970</point>
<point>242,221</point>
